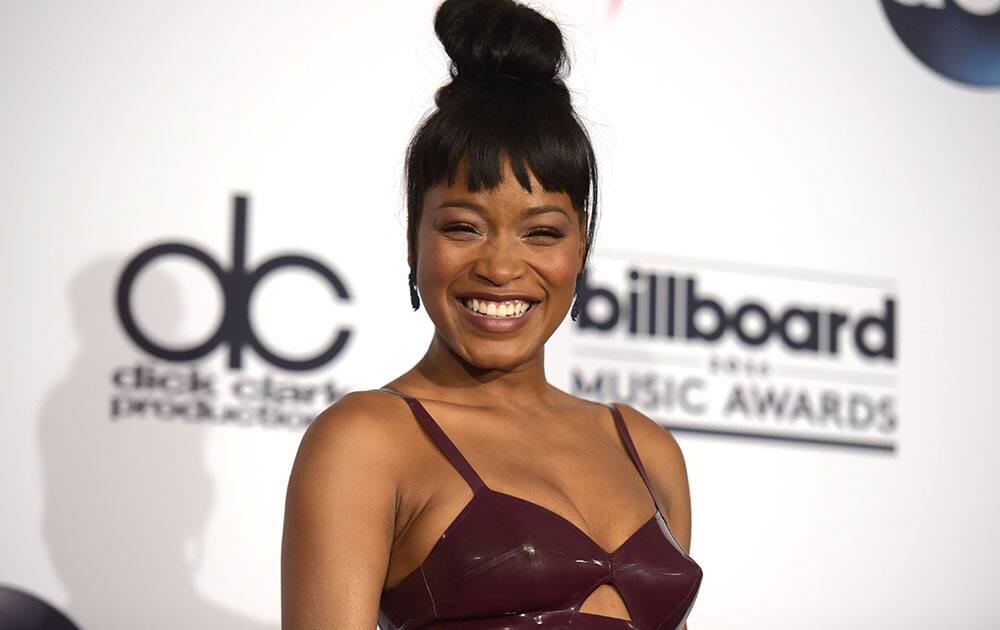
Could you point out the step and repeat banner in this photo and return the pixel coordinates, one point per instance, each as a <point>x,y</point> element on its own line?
<point>203,246</point>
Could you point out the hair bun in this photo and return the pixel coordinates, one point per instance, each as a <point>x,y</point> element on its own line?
<point>489,38</point>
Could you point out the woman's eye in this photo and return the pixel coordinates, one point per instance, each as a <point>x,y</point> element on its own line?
<point>549,232</point>
<point>458,227</point>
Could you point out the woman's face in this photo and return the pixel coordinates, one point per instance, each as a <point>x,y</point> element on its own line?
<point>496,269</point>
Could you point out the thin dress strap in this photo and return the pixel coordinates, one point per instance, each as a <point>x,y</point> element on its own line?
<point>442,441</point>
<point>623,431</point>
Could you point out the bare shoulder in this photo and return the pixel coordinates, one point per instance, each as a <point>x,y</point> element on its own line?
<point>351,447</point>
<point>664,462</point>
<point>656,444</point>
<point>359,420</point>
<point>355,431</point>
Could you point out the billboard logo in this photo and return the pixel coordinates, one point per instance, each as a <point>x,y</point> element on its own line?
<point>668,306</point>
<point>237,283</point>
<point>959,39</point>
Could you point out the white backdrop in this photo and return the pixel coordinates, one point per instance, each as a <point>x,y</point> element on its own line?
<point>786,154</point>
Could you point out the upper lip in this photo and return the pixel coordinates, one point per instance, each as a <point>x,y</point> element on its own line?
<point>497,297</point>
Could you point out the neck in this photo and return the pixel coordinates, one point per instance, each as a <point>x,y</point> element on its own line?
<point>444,372</point>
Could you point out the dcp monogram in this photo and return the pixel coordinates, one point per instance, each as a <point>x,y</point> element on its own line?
<point>237,285</point>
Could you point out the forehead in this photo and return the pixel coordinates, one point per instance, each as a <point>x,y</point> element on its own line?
<point>508,197</point>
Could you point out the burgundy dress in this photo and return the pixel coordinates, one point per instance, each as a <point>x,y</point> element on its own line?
<point>508,563</point>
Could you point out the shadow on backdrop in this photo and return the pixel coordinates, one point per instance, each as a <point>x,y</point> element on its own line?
<point>126,502</point>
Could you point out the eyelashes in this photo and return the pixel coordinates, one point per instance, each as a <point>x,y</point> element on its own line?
<point>543,231</point>
<point>553,233</point>
<point>458,228</point>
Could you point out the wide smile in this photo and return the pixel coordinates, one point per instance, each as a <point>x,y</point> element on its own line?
<point>496,315</point>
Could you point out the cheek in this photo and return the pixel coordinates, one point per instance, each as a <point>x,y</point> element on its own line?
<point>438,263</point>
<point>560,267</point>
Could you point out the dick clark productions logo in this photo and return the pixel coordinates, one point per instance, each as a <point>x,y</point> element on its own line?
<point>237,284</point>
<point>959,39</point>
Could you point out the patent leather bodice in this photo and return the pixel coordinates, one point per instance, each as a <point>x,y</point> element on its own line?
<point>507,563</point>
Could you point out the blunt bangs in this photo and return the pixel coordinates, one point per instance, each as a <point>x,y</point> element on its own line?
<point>532,124</point>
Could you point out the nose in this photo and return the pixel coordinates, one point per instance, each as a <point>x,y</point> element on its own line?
<point>498,263</point>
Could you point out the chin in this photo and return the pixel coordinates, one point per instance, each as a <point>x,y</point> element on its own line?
<point>496,358</point>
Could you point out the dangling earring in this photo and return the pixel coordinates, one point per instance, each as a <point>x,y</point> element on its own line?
<point>414,296</point>
<point>574,311</point>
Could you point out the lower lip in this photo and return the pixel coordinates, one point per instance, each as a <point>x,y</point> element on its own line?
<point>496,324</point>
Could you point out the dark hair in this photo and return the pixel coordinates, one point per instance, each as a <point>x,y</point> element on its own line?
<point>506,96</point>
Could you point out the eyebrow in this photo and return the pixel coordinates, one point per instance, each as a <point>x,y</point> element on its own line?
<point>475,207</point>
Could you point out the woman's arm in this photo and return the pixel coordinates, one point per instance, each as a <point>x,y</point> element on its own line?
<point>339,519</point>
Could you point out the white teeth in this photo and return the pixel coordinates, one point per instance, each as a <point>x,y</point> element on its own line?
<point>515,308</point>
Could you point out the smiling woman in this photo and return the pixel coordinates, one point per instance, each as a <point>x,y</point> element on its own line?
<point>469,492</point>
